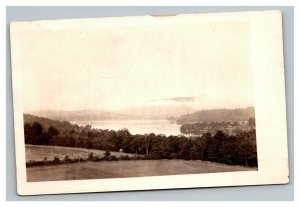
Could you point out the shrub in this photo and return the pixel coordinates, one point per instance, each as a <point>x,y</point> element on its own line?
<point>148,157</point>
<point>56,160</point>
<point>91,156</point>
<point>153,157</point>
<point>124,157</point>
<point>141,158</point>
<point>113,158</point>
<point>36,163</point>
<point>75,160</point>
<point>133,157</point>
<point>67,159</point>
<point>30,163</point>
<point>82,159</point>
<point>97,158</point>
<point>107,153</point>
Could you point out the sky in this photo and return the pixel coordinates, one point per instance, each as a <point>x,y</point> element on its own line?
<point>111,67</point>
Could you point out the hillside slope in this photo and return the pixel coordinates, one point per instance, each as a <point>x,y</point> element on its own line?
<point>80,115</point>
<point>218,115</point>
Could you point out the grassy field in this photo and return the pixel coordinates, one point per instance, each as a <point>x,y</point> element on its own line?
<point>111,169</point>
<point>121,169</point>
<point>38,152</point>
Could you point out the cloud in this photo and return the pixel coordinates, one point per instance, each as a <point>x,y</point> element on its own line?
<point>177,99</point>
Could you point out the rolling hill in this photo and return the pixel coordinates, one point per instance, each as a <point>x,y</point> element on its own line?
<point>218,115</point>
<point>80,115</point>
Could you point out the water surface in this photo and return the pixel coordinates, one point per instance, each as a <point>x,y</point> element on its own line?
<point>166,127</point>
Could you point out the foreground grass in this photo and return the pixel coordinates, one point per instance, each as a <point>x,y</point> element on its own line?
<point>122,169</point>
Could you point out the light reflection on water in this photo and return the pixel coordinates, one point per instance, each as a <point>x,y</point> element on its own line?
<point>166,127</point>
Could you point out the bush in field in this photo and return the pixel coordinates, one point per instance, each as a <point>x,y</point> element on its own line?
<point>154,156</point>
<point>75,160</point>
<point>35,163</point>
<point>107,154</point>
<point>81,159</point>
<point>91,156</point>
<point>146,157</point>
<point>56,160</point>
<point>97,158</point>
<point>142,158</point>
<point>124,157</point>
<point>67,159</point>
<point>113,158</point>
<point>30,163</point>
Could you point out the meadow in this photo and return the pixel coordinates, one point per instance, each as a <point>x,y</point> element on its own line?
<point>40,152</point>
<point>112,169</point>
<point>123,169</point>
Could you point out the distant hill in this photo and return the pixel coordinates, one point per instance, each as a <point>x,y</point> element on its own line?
<point>218,115</point>
<point>80,115</point>
<point>146,112</point>
<point>45,122</point>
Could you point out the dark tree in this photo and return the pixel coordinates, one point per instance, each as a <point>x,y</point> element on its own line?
<point>34,134</point>
<point>251,122</point>
<point>213,145</point>
<point>52,131</point>
<point>28,134</point>
<point>107,153</point>
<point>239,149</point>
<point>37,128</point>
<point>195,153</point>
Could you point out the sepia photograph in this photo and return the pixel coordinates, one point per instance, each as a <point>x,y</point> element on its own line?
<point>140,97</point>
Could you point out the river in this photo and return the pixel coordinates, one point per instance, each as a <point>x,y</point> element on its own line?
<point>135,126</point>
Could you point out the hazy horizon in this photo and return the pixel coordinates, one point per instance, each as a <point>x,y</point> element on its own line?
<point>129,114</point>
<point>120,110</point>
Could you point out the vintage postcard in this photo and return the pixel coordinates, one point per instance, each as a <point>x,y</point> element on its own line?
<point>149,102</point>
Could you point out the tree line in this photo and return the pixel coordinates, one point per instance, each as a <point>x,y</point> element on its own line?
<point>239,149</point>
<point>231,128</point>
